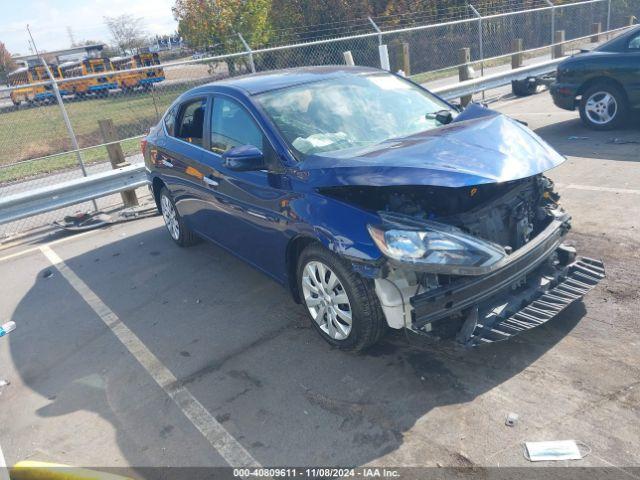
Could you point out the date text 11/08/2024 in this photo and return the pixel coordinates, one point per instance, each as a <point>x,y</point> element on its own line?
<point>316,472</point>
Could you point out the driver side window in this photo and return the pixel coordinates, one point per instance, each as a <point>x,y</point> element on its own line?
<point>232,126</point>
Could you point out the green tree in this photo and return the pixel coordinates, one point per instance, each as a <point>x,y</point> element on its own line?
<point>214,24</point>
<point>6,63</point>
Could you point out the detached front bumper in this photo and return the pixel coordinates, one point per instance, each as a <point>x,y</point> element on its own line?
<point>539,281</point>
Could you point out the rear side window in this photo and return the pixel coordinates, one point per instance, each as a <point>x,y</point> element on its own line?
<point>190,121</point>
<point>232,126</point>
<point>634,43</point>
<point>170,121</point>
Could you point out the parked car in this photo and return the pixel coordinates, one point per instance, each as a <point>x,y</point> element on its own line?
<point>604,84</point>
<point>376,203</point>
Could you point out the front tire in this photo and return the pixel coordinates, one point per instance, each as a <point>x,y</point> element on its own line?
<point>603,106</point>
<point>174,222</point>
<point>342,305</point>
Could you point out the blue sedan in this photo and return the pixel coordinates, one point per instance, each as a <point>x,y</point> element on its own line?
<point>376,203</point>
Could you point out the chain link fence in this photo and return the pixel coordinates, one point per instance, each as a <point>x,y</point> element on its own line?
<point>36,147</point>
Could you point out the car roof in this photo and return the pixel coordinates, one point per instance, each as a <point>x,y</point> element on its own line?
<point>276,79</point>
<point>616,43</point>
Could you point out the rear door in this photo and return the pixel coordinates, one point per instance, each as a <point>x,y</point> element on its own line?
<point>179,154</point>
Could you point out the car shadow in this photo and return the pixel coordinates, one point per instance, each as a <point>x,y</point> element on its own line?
<point>246,351</point>
<point>573,139</point>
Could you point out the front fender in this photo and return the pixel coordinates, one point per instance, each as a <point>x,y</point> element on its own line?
<point>340,227</point>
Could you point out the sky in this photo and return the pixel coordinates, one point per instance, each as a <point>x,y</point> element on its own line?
<point>49,20</point>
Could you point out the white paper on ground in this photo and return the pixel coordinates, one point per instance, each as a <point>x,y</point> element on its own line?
<point>554,450</point>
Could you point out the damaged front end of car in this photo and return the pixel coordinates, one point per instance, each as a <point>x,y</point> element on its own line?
<point>481,262</point>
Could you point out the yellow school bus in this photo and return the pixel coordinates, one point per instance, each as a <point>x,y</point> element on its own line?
<point>143,78</point>
<point>28,75</point>
<point>99,86</point>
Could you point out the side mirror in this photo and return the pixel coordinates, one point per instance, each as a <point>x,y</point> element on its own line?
<point>244,158</point>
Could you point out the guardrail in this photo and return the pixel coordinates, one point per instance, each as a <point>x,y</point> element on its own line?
<point>496,80</point>
<point>72,192</point>
<point>80,190</point>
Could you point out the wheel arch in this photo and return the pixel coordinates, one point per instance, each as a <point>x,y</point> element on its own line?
<point>602,79</point>
<point>156,187</point>
<point>294,248</point>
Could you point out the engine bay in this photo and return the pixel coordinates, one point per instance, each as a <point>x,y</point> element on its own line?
<point>508,213</point>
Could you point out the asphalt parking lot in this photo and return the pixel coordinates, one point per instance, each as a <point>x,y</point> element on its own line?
<point>132,352</point>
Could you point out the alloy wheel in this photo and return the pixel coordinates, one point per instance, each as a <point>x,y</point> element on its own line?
<point>170,217</point>
<point>601,108</point>
<point>326,300</point>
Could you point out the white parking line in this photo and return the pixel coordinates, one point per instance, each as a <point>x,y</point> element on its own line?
<point>55,242</point>
<point>4,472</point>
<point>219,438</point>
<point>593,188</point>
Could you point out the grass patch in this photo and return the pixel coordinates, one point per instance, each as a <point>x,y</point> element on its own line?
<point>38,168</point>
<point>35,132</point>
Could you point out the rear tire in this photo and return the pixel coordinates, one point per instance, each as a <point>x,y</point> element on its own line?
<point>603,106</point>
<point>178,231</point>
<point>343,306</point>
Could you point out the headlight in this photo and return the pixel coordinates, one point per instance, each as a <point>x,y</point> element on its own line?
<point>437,247</point>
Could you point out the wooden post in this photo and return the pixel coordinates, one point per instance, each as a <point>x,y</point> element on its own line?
<point>348,58</point>
<point>464,71</point>
<point>517,57</point>
<point>406,64</point>
<point>596,28</point>
<point>558,48</point>
<point>116,157</point>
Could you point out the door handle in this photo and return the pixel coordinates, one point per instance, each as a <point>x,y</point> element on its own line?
<point>210,181</point>
<point>167,163</point>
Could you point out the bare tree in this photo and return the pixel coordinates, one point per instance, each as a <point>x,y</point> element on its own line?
<point>127,32</point>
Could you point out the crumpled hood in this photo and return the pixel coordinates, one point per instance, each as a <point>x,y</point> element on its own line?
<point>479,146</point>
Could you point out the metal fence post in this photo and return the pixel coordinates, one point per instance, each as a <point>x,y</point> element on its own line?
<point>553,19</point>
<point>480,35</point>
<point>252,65</point>
<point>348,58</point>
<point>67,122</point>
<point>383,52</point>
<point>377,29</point>
<point>384,57</point>
<point>608,15</point>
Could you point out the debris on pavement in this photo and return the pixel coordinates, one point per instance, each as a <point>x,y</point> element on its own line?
<point>577,138</point>
<point>48,273</point>
<point>552,450</point>
<point>4,383</point>
<point>511,420</point>
<point>83,221</point>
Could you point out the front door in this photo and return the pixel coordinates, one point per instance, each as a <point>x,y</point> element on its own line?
<point>255,202</point>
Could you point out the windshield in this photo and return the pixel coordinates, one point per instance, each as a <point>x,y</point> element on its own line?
<point>351,111</point>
